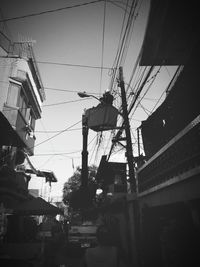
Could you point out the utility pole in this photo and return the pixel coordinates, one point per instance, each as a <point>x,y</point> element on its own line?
<point>134,223</point>
<point>84,170</point>
<point>129,150</point>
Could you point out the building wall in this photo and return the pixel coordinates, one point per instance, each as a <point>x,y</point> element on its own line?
<point>10,68</point>
<point>5,72</point>
<point>15,71</point>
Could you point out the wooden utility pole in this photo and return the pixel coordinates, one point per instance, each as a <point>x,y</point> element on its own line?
<point>129,150</point>
<point>134,222</point>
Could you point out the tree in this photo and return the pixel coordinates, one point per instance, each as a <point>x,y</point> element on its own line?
<point>76,196</point>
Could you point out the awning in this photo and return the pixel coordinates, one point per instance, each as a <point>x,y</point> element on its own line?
<point>37,206</point>
<point>48,175</point>
<point>8,135</point>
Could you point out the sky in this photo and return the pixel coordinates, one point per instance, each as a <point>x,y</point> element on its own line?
<point>71,45</point>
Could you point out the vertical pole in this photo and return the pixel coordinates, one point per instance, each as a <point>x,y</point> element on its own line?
<point>129,150</point>
<point>133,249</point>
<point>84,170</point>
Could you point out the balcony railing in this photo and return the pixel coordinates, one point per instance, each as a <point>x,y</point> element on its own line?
<point>177,158</point>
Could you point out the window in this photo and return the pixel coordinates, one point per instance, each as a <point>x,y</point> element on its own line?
<point>32,120</point>
<point>22,104</point>
<point>17,98</point>
<point>13,95</point>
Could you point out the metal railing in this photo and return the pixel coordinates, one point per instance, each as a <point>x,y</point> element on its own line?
<point>178,156</point>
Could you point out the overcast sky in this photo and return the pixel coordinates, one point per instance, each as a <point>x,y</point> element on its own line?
<point>81,40</point>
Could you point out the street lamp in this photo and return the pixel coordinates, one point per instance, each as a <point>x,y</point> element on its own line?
<point>107,98</point>
<point>84,94</point>
<point>100,118</point>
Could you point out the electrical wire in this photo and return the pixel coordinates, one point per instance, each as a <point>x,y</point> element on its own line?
<point>120,47</point>
<point>132,105</point>
<point>122,51</point>
<point>93,150</point>
<point>66,64</point>
<point>46,140</point>
<point>67,91</point>
<point>102,44</point>
<point>41,122</point>
<point>76,129</point>
<point>60,89</point>
<point>57,154</point>
<point>63,153</point>
<point>119,132</point>
<point>50,11</point>
<point>72,65</point>
<point>99,136</point>
<point>57,134</point>
<point>129,34</point>
<point>114,70</point>
<point>61,103</point>
<point>115,3</point>
<point>152,79</point>
<point>50,105</point>
<point>44,163</point>
<point>140,88</point>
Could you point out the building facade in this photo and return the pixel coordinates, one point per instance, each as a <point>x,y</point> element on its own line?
<point>21,98</point>
<point>168,194</point>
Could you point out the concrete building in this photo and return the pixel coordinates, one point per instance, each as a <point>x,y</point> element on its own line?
<point>21,98</point>
<point>168,194</point>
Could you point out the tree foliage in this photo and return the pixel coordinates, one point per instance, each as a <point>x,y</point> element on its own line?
<point>76,196</point>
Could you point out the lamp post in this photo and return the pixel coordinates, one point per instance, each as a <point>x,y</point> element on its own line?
<point>84,169</point>
<point>100,118</point>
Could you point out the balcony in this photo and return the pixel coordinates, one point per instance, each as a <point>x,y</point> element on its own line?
<point>178,160</point>
<point>19,124</point>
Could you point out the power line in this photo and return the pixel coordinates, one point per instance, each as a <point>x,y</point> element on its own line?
<point>93,150</point>
<point>47,135</point>
<point>46,139</point>
<point>63,153</point>
<point>57,154</point>
<point>68,91</point>
<point>61,103</point>
<point>102,44</point>
<point>57,134</point>
<point>73,65</point>
<point>46,161</point>
<point>49,11</point>
<point>120,56</point>
<point>76,129</point>
<point>62,90</point>
<point>67,64</point>
<point>114,3</point>
<point>54,104</point>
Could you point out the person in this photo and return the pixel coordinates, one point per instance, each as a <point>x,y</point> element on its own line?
<point>105,254</point>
